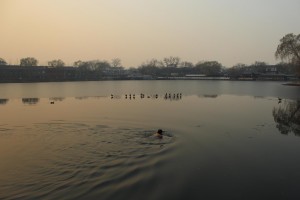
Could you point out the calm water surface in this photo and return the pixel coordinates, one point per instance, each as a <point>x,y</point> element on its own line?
<point>223,140</point>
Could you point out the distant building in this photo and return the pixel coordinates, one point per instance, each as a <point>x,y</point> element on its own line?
<point>271,70</point>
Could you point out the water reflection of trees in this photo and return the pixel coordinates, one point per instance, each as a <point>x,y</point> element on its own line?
<point>213,96</point>
<point>30,101</point>
<point>90,97</point>
<point>56,99</point>
<point>3,101</point>
<point>287,117</point>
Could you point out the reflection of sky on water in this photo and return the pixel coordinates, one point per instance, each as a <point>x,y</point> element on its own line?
<point>62,156</point>
<point>105,88</point>
<point>225,109</point>
<point>86,139</point>
<point>90,145</point>
<point>56,98</point>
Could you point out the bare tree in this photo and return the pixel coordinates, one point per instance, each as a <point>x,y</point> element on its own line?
<point>116,62</point>
<point>2,62</point>
<point>171,61</point>
<point>208,67</point>
<point>77,63</point>
<point>29,61</point>
<point>289,49</point>
<point>154,63</point>
<point>186,64</point>
<point>56,63</point>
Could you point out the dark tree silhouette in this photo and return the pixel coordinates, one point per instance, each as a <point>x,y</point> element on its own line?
<point>289,49</point>
<point>56,63</point>
<point>116,62</point>
<point>29,62</point>
<point>3,101</point>
<point>172,61</point>
<point>2,62</point>
<point>208,68</point>
<point>30,101</point>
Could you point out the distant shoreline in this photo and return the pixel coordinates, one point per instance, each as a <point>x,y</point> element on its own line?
<point>37,74</point>
<point>165,79</point>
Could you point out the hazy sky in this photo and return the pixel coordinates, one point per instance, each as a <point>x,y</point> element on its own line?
<point>228,31</point>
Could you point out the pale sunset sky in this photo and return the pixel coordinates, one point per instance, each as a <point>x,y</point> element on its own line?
<point>227,31</point>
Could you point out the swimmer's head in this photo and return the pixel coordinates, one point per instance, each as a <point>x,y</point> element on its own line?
<point>159,131</point>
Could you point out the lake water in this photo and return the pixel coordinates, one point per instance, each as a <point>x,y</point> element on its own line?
<point>94,140</point>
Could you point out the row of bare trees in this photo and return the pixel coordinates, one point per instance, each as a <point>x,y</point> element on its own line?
<point>287,50</point>
<point>31,62</point>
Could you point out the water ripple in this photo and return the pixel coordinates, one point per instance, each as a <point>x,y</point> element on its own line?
<point>77,160</point>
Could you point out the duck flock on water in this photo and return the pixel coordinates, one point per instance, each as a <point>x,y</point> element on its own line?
<point>130,96</point>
